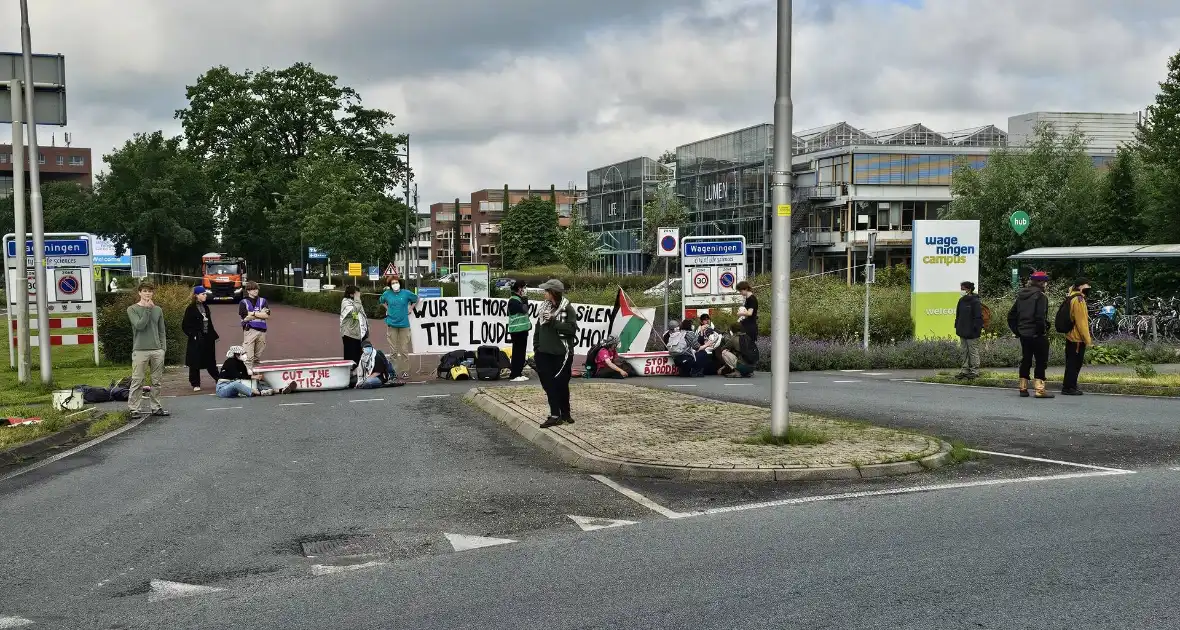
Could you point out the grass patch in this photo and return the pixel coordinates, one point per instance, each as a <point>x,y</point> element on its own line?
<point>1141,377</point>
<point>52,421</point>
<point>960,453</point>
<point>1163,385</point>
<point>796,436</point>
<point>107,423</point>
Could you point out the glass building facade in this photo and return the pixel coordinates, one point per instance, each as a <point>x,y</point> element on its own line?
<point>615,196</point>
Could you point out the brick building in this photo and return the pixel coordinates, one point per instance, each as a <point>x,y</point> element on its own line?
<point>70,164</point>
<point>450,234</point>
<point>487,211</point>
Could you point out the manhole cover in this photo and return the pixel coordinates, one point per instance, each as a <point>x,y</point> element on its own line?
<point>335,547</point>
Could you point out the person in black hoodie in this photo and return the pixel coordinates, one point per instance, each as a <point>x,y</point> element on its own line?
<point>969,328</point>
<point>197,326</point>
<point>1029,320</point>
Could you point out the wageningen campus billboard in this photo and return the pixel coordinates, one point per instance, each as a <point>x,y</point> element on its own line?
<point>945,253</point>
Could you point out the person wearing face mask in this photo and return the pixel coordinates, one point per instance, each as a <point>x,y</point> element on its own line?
<point>969,328</point>
<point>397,321</point>
<point>1078,338</point>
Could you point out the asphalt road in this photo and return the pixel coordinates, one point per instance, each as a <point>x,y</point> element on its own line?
<point>235,495</point>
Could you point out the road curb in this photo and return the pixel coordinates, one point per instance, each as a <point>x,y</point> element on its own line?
<point>38,446</point>
<point>1160,391</point>
<point>574,452</point>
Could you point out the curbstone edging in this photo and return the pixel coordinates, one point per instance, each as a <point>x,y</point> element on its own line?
<point>35,447</point>
<point>573,453</point>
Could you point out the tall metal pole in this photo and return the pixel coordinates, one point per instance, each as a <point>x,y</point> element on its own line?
<point>418,280</point>
<point>406,267</point>
<point>780,335</point>
<point>35,212</point>
<point>22,359</point>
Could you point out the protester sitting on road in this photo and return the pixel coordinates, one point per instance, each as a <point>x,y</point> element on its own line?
<point>673,324</point>
<point>354,324</point>
<point>254,312</point>
<point>608,363</point>
<point>238,379</point>
<point>553,350</point>
<point>373,370</point>
<point>397,321</point>
<point>739,353</point>
<point>682,348</point>
<point>709,340</point>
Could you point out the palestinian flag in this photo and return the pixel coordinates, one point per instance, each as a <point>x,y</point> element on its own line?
<point>626,324</point>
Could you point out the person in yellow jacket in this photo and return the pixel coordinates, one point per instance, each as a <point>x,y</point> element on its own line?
<point>1078,338</point>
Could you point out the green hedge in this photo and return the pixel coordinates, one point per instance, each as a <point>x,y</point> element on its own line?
<point>114,328</point>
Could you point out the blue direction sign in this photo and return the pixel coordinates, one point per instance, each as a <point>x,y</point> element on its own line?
<point>429,292</point>
<point>719,247</point>
<point>315,254</point>
<point>64,247</point>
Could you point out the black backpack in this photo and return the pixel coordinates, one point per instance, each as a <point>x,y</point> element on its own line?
<point>453,359</point>
<point>749,350</point>
<point>1064,320</point>
<point>591,365</point>
<point>93,394</point>
<point>490,361</point>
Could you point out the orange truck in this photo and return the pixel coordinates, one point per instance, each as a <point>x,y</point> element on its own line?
<point>223,276</point>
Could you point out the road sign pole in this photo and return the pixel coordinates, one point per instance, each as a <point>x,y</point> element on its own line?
<point>666,265</point>
<point>780,335</point>
<point>35,214</point>
<point>22,360</point>
<point>869,269</point>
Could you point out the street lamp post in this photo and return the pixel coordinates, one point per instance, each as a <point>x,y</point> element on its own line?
<point>781,257</point>
<point>37,218</point>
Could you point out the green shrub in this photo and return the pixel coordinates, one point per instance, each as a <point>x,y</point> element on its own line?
<point>114,328</point>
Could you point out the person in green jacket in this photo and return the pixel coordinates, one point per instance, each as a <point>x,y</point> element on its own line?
<point>149,343</point>
<point>553,350</point>
<point>519,326</point>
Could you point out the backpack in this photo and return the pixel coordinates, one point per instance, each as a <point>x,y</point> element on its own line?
<point>93,394</point>
<point>987,315</point>
<point>591,365</point>
<point>1064,320</point>
<point>490,361</point>
<point>678,342</point>
<point>451,360</point>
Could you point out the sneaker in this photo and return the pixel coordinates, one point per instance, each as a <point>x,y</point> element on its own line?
<point>291,388</point>
<point>520,379</point>
<point>197,388</point>
<point>567,420</point>
<point>551,421</point>
<point>161,413</point>
<point>1071,392</point>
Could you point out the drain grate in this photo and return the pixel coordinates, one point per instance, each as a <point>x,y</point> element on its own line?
<point>333,547</point>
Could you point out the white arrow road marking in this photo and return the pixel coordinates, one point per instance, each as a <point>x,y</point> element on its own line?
<point>325,569</point>
<point>590,523</point>
<point>463,542</point>
<point>163,589</point>
<point>14,622</point>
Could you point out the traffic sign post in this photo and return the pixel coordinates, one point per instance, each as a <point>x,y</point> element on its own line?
<point>374,273</point>
<point>669,248</point>
<point>354,269</point>
<point>870,278</point>
<point>68,259</point>
<point>712,267</point>
<point>391,271</point>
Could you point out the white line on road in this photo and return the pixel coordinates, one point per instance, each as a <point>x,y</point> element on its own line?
<point>1050,461</point>
<point>911,490</point>
<point>638,498</point>
<point>1175,469</point>
<point>361,400</point>
<point>878,373</point>
<point>14,622</point>
<point>464,542</point>
<point>851,371</point>
<point>682,386</point>
<point>845,381</point>
<point>76,449</point>
<point>797,382</point>
<point>164,590</point>
<point>326,569</point>
<point>739,384</point>
<point>295,404</point>
<point>434,396</point>
<point>221,408</point>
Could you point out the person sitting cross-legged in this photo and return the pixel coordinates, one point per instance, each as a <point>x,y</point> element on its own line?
<point>374,370</point>
<point>238,379</point>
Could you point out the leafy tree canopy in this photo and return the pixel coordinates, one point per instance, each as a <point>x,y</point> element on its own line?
<point>528,233</point>
<point>577,247</point>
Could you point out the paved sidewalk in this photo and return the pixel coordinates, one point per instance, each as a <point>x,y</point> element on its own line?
<point>641,431</point>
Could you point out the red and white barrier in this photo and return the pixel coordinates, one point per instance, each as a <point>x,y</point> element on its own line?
<point>61,340</point>
<point>61,322</point>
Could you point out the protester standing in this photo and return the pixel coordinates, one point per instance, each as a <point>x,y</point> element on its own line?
<point>1078,338</point>
<point>748,313</point>
<point>397,321</point>
<point>969,328</point>
<point>197,325</point>
<point>553,350</point>
<point>354,324</point>
<point>519,326</point>
<point>149,343</point>
<point>255,313</point>
<point>1029,319</point>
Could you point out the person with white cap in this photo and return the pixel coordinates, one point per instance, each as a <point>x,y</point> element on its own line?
<point>553,350</point>
<point>237,379</point>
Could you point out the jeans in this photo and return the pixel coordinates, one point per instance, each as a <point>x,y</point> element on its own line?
<point>1075,356</point>
<point>373,382</point>
<point>1034,348</point>
<point>555,370</point>
<point>143,363</point>
<point>970,349</point>
<point>520,350</point>
<point>233,389</point>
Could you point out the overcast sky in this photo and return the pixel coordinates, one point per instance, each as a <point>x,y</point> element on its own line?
<point>534,92</point>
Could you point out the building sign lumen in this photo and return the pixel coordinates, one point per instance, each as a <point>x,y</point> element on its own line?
<point>717,192</point>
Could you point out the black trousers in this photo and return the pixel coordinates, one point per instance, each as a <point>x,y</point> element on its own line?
<point>206,360</point>
<point>520,350</point>
<point>686,364</point>
<point>555,370</point>
<point>1075,356</point>
<point>1034,349</point>
<point>352,349</point>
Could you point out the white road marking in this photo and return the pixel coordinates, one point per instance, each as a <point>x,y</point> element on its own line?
<point>163,589</point>
<point>851,371</point>
<point>911,490</point>
<point>1175,469</point>
<point>361,400</point>
<point>682,385</point>
<point>327,569</point>
<point>434,396</point>
<point>295,404</point>
<point>590,523</point>
<point>638,498</point>
<point>463,542</point>
<point>1051,461</point>
<point>739,384</point>
<point>14,622</point>
<point>222,408</point>
<point>76,449</point>
<point>797,382</point>
<point>878,373</point>
<point>845,381</point>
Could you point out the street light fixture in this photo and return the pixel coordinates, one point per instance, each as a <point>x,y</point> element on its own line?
<point>780,338</point>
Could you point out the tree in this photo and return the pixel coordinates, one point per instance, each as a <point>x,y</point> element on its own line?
<point>251,130</point>
<point>66,207</point>
<point>1120,216</point>
<point>1053,180</point>
<point>1159,140</point>
<point>528,233</point>
<point>155,199</point>
<point>665,211</point>
<point>577,247</point>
